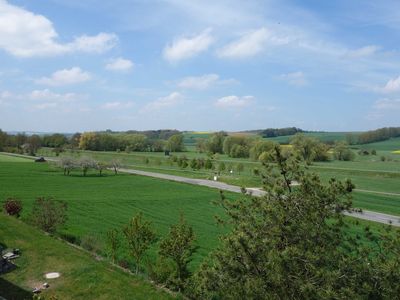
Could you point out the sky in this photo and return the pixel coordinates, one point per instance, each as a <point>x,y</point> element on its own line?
<point>203,65</point>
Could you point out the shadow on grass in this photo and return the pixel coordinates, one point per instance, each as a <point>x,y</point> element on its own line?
<point>11,291</point>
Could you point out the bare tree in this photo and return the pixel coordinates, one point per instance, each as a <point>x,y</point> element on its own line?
<point>115,164</point>
<point>67,164</point>
<point>87,163</point>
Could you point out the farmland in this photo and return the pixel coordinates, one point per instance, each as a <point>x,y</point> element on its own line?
<point>97,204</point>
<point>370,173</point>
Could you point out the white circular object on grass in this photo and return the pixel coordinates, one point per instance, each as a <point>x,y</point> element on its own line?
<point>52,275</point>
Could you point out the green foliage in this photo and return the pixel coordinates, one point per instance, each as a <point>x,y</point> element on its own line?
<point>237,146</point>
<point>294,244</point>
<point>215,142</point>
<point>175,143</point>
<point>113,242</point>
<point>309,148</point>
<point>239,168</point>
<point>91,243</point>
<point>221,167</point>
<point>49,214</point>
<point>178,247</point>
<point>342,152</point>
<point>208,164</point>
<point>259,147</point>
<point>377,135</point>
<point>139,236</point>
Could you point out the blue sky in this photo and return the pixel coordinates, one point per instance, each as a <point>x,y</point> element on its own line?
<point>73,65</point>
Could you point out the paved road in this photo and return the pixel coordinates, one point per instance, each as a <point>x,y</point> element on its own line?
<point>365,214</point>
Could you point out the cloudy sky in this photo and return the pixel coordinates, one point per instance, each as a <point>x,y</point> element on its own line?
<point>73,65</point>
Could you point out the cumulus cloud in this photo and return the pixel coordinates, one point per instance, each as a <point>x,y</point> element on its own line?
<point>363,51</point>
<point>233,101</point>
<point>387,104</point>
<point>65,77</point>
<point>25,34</point>
<point>392,86</point>
<point>119,64</point>
<point>250,44</point>
<point>117,105</point>
<point>171,100</point>
<point>187,47</point>
<point>295,78</point>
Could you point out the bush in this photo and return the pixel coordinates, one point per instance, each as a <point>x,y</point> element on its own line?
<point>49,214</point>
<point>70,238</point>
<point>91,243</point>
<point>12,207</point>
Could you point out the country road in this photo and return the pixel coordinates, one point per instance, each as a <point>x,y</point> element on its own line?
<point>364,215</point>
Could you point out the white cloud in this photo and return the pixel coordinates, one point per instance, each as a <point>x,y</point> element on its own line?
<point>119,64</point>
<point>392,86</point>
<point>250,44</point>
<point>295,78</point>
<point>25,34</point>
<point>117,105</point>
<point>171,100</point>
<point>65,77</point>
<point>187,47</point>
<point>48,95</point>
<point>203,82</point>
<point>387,104</point>
<point>234,101</point>
<point>5,96</point>
<point>363,51</point>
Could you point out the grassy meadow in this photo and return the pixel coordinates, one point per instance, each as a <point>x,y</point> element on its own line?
<point>98,204</point>
<point>369,172</point>
<point>82,277</point>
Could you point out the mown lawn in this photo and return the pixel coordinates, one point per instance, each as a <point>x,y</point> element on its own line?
<point>97,204</point>
<point>82,277</point>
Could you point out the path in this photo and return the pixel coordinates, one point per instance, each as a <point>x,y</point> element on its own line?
<point>365,214</point>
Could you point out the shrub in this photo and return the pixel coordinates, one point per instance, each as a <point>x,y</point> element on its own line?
<point>12,207</point>
<point>70,238</point>
<point>49,214</point>
<point>91,243</point>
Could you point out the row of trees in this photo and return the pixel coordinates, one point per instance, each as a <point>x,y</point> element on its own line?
<point>238,146</point>
<point>96,141</point>
<point>85,164</point>
<point>309,148</point>
<point>274,132</point>
<point>174,254</point>
<point>372,136</point>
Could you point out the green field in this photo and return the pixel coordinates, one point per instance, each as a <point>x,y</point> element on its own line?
<point>322,136</point>
<point>97,204</point>
<point>389,145</point>
<point>367,172</point>
<point>82,277</point>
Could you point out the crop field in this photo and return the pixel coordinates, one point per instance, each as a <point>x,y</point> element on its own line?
<point>82,277</point>
<point>388,145</point>
<point>368,172</point>
<point>97,204</point>
<point>322,136</point>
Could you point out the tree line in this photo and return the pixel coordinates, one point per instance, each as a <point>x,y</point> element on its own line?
<point>95,141</point>
<point>372,136</point>
<point>249,146</point>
